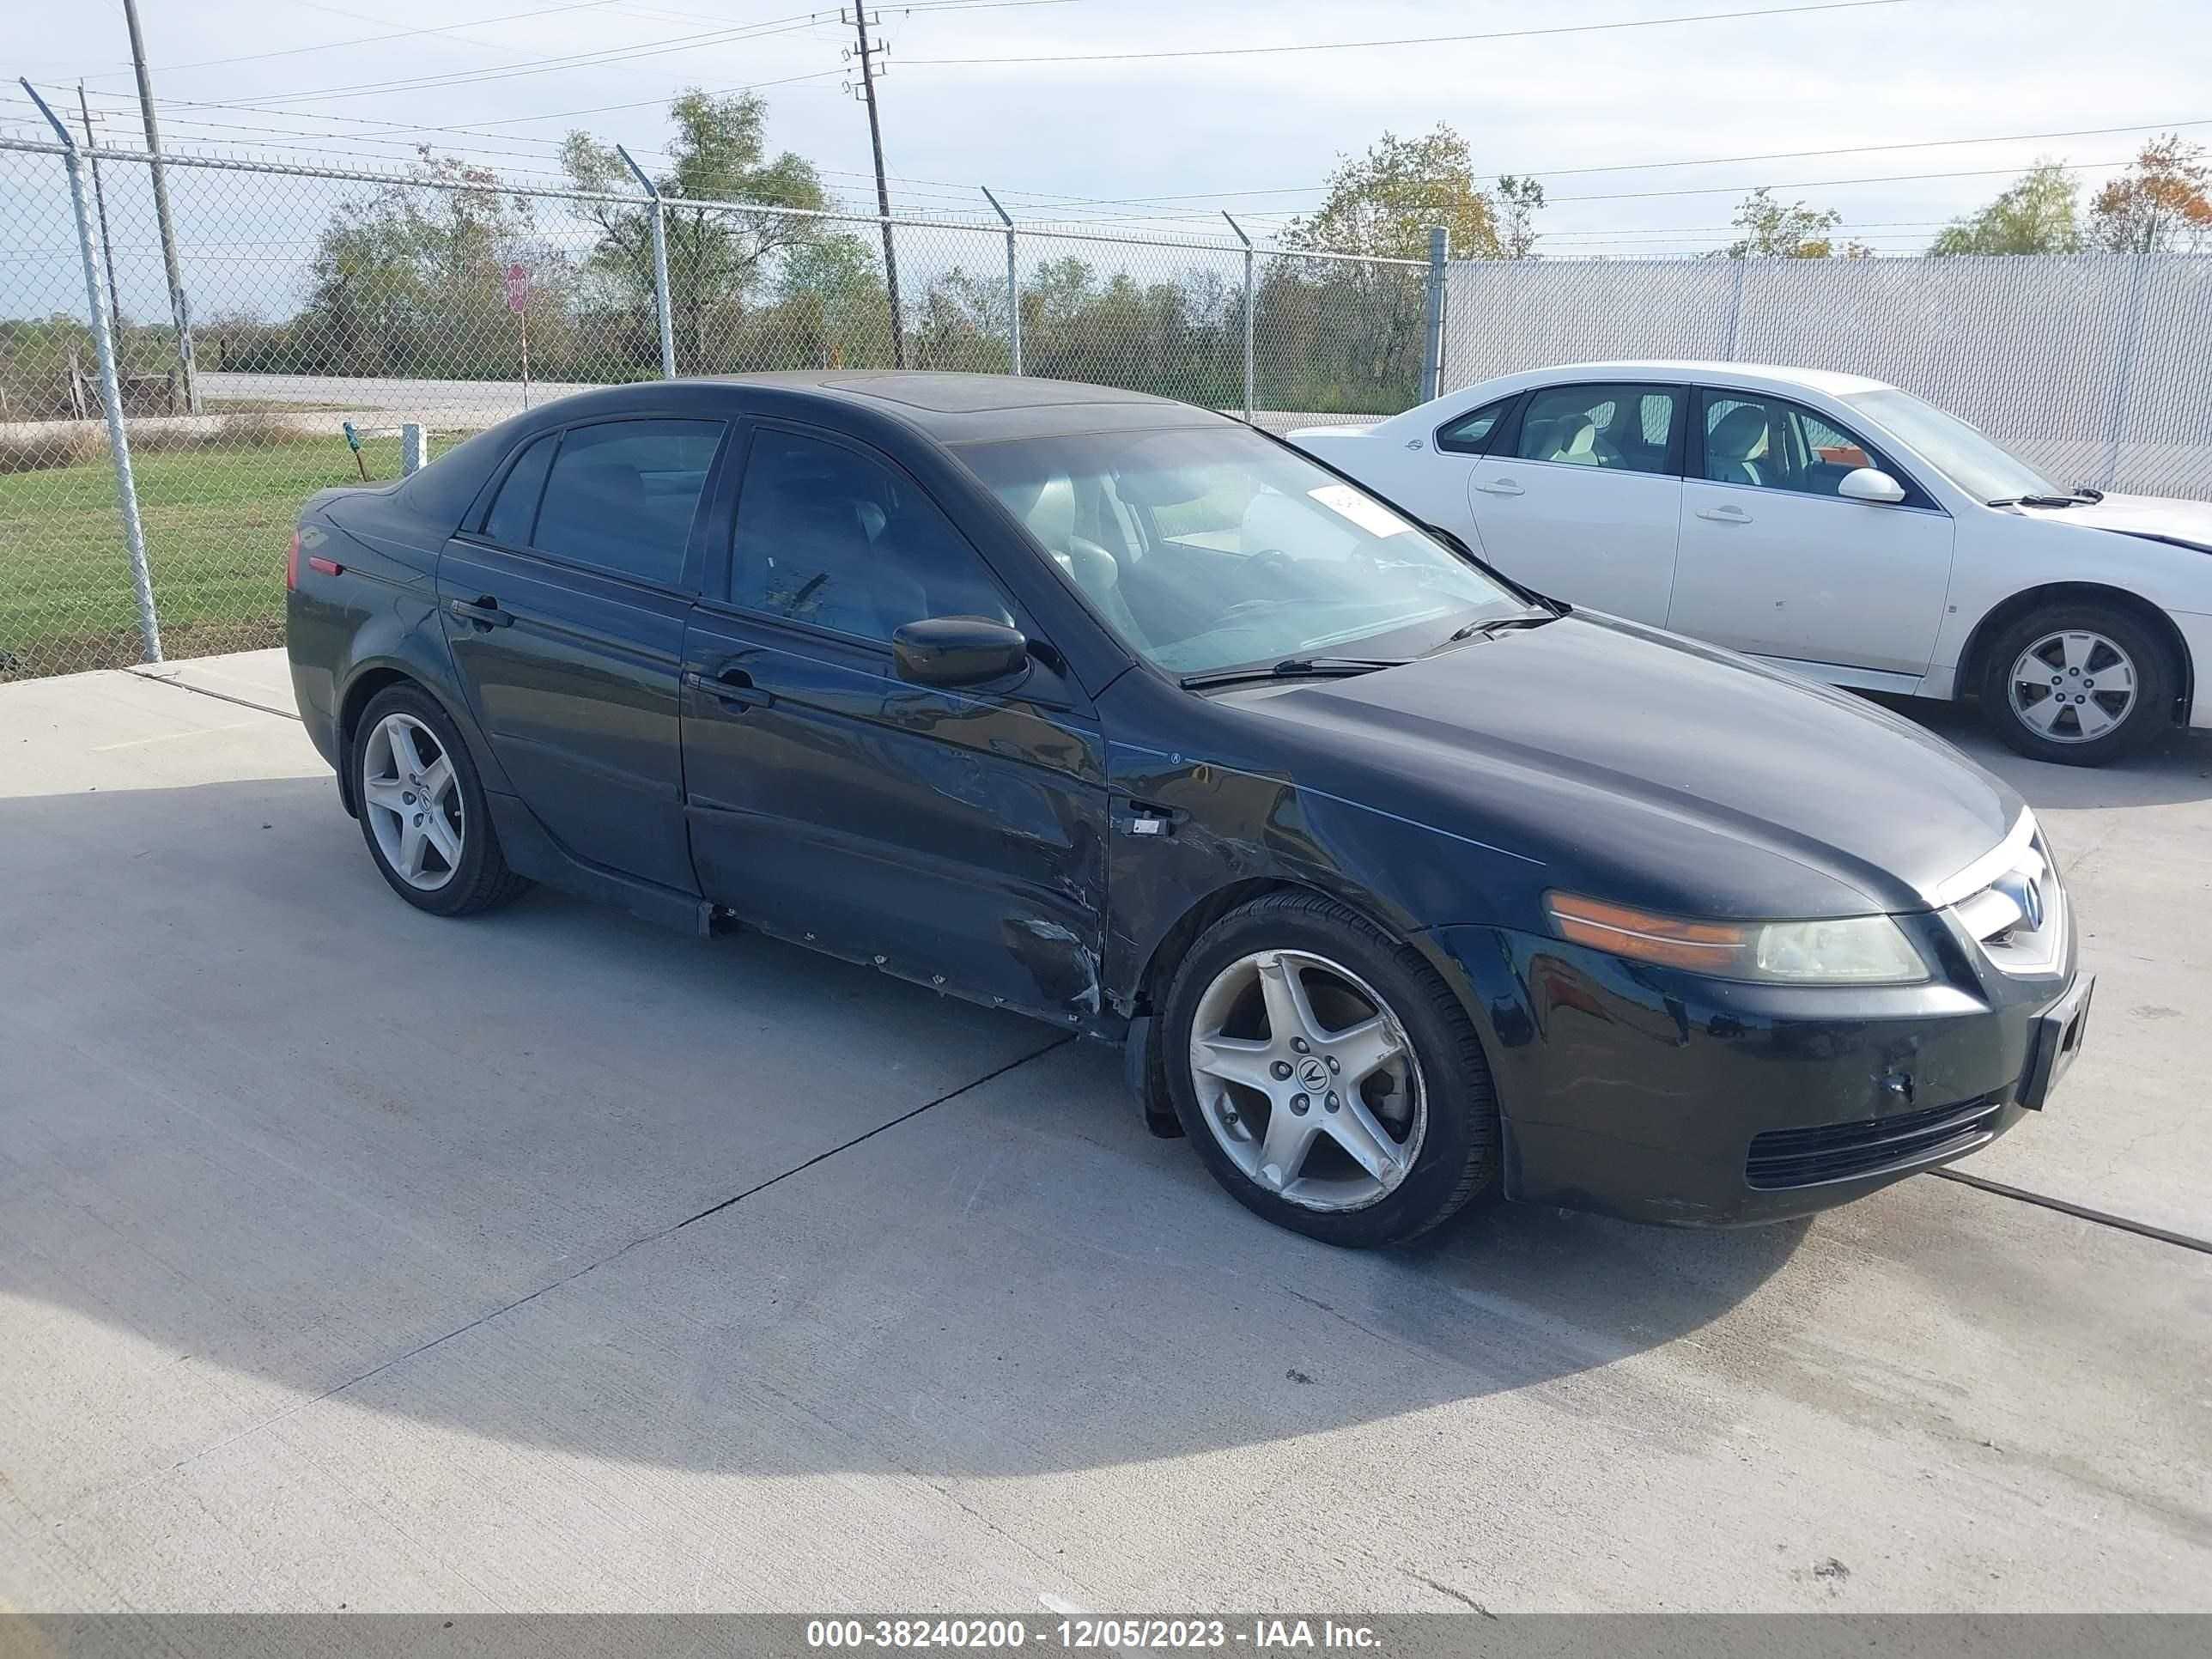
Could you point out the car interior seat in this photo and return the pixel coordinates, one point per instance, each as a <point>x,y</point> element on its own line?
<point>824,567</point>
<point>1736,450</point>
<point>1048,507</point>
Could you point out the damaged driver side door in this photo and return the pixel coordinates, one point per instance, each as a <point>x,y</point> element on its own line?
<point>953,836</point>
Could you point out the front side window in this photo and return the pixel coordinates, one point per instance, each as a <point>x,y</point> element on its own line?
<point>828,536</point>
<point>1215,547</point>
<point>1770,443</point>
<point>620,496</point>
<point>1619,427</point>
<point>1974,462</point>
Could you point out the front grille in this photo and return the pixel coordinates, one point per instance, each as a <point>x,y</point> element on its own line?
<point>1839,1152</point>
<point>2020,918</point>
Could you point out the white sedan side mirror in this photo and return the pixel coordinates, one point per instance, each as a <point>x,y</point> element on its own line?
<point>1868,483</point>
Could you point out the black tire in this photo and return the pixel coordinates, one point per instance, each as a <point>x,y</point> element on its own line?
<point>480,880</point>
<point>1459,1154</point>
<point>2157,684</point>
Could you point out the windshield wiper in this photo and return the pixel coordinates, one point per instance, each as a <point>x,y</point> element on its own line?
<point>2075,500</point>
<point>1292,668</point>
<point>1487,626</point>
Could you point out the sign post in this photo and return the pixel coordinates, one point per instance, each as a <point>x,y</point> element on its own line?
<point>517,301</point>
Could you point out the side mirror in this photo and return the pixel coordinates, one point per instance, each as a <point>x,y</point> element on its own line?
<point>1868,483</point>
<point>958,651</point>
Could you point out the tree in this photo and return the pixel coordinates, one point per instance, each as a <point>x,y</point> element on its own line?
<point>1382,204</point>
<point>1519,199</point>
<point>1772,230</point>
<point>410,280</point>
<point>832,291</point>
<point>718,256</point>
<point>2160,206</point>
<point>2035,213</point>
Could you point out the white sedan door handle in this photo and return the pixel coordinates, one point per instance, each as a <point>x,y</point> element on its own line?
<point>1724,514</point>
<point>1501,487</point>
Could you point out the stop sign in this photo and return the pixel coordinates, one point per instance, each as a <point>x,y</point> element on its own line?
<point>517,288</point>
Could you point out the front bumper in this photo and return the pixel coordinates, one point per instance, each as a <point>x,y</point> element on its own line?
<point>1665,1097</point>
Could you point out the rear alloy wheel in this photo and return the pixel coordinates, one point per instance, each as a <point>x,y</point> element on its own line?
<point>1329,1079</point>
<point>422,808</point>
<point>2078,685</point>
<point>413,801</point>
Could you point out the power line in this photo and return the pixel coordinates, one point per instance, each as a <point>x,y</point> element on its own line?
<point>1819,184</point>
<point>1407,40</point>
<point>546,66</point>
<point>371,39</point>
<point>1639,167</point>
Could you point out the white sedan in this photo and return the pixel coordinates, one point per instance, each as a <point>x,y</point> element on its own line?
<point>1834,525</point>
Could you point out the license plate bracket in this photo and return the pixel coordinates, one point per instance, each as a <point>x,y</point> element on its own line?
<point>2054,1042</point>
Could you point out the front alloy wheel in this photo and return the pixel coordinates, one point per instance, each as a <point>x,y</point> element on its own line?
<point>1325,1072</point>
<point>2080,683</point>
<point>1307,1080</point>
<point>2073,686</point>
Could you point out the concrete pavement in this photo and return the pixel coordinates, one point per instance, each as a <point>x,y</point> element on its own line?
<point>547,1262</point>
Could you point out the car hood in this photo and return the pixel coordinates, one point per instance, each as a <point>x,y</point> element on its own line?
<point>2160,518</point>
<point>1677,775</point>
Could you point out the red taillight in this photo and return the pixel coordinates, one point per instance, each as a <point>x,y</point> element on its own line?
<point>292,563</point>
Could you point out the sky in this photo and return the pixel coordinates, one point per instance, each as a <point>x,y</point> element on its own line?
<point>1598,115</point>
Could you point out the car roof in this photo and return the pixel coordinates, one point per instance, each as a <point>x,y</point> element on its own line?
<point>960,409</point>
<point>1775,376</point>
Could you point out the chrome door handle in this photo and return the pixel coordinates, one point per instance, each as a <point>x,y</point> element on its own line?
<point>1724,514</point>
<point>1501,487</point>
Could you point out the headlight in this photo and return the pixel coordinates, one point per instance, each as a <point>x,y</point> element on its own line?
<point>1849,951</point>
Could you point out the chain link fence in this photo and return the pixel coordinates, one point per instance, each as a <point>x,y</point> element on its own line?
<point>2090,366</point>
<point>318,314</point>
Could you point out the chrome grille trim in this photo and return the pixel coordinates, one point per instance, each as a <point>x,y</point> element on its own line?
<point>2002,915</point>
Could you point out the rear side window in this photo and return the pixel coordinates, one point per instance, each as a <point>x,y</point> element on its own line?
<point>1621,428</point>
<point>515,510</point>
<point>1470,433</point>
<point>620,496</point>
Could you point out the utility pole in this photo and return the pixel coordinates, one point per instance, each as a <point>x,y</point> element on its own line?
<point>100,199</point>
<point>179,307</point>
<point>867,56</point>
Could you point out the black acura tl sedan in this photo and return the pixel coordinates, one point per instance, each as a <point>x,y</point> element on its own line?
<point>1399,882</point>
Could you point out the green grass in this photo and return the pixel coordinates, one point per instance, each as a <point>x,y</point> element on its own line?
<point>216,520</point>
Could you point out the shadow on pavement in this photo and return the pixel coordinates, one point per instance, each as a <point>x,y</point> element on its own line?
<point>279,1128</point>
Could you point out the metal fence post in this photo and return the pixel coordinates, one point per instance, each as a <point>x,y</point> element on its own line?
<point>2125,373</point>
<point>1251,305</point>
<point>1013,279</point>
<point>660,299</point>
<point>1432,352</point>
<point>111,386</point>
<point>413,451</point>
<point>1735,311</point>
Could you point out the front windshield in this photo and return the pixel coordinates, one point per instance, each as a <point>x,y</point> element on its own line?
<point>1956,449</point>
<point>1211,547</point>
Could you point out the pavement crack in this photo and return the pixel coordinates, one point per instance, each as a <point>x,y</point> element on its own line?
<point>2079,1212</point>
<point>870,1134</point>
<point>612,1255</point>
<point>1461,1596</point>
<point>220,696</point>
